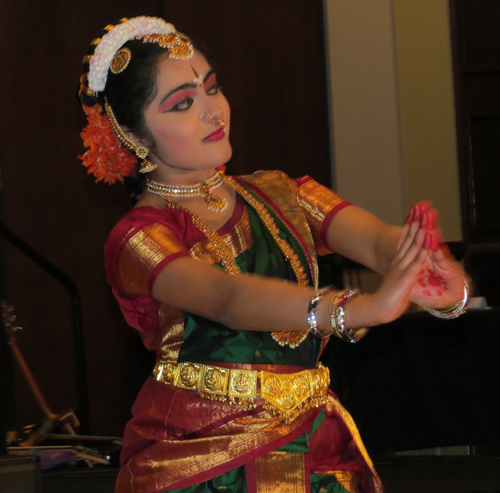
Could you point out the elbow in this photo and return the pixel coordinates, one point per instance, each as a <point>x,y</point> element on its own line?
<point>224,311</point>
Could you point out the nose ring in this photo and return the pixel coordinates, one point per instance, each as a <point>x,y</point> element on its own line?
<point>219,121</point>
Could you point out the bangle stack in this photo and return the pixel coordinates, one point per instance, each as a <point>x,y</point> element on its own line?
<point>456,310</point>
<point>311,313</point>
<point>337,313</point>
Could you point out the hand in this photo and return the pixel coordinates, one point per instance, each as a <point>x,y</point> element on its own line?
<point>440,282</point>
<point>411,258</point>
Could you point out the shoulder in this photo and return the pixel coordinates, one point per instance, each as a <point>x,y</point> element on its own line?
<point>149,220</point>
<point>266,176</point>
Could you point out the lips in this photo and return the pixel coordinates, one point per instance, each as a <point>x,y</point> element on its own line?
<point>214,136</point>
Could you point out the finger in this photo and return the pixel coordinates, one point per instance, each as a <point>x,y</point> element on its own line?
<point>414,235</point>
<point>426,205</point>
<point>421,244</point>
<point>405,229</point>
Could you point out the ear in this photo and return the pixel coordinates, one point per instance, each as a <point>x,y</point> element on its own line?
<point>138,141</point>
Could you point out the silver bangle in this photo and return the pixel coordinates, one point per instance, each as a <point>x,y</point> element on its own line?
<point>311,312</point>
<point>456,310</point>
<point>338,314</point>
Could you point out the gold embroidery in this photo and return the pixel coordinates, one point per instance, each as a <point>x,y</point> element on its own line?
<point>141,254</point>
<point>168,461</point>
<point>204,251</point>
<point>240,238</point>
<point>317,201</point>
<point>334,405</point>
<point>172,329</point>
<point>349,480</point>
<point>281,472</point>
<point>284,193</point>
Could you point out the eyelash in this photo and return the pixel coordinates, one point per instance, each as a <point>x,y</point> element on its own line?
<point>181,105</point>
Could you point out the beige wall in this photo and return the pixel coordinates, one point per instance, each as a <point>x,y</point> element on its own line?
<point>393,128</point>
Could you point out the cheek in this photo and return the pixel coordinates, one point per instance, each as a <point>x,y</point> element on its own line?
<point>173,142</point>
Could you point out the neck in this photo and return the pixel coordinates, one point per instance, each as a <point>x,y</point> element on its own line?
<point>181,177</point>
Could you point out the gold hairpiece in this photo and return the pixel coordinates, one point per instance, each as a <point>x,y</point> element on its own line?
<point>120,60</point>
<point>179,46</point>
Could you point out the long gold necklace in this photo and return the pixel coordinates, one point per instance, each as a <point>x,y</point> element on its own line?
<point>225,256</point>
<point>203,189</point>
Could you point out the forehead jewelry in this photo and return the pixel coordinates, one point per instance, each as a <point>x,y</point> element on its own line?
<point>203,189</point>
<point>219,121</point>
<point>198,80</point>
<point>107,53</point>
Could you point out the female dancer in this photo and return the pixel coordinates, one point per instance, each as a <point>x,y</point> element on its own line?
<point>218,274</point>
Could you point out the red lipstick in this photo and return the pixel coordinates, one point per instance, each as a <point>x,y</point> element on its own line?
<point>214,136</point>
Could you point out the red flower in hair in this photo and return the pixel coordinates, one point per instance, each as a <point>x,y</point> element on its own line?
<point>105,157</point>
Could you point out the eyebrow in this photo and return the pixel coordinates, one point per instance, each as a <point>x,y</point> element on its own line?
<point>187,85</point>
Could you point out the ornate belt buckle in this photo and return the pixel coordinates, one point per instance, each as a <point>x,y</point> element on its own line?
<point>285,392</point>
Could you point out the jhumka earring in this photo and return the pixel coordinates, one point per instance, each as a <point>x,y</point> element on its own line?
<point>140,151</point>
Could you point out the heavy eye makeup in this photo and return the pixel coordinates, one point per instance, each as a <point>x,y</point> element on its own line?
<point>211,86</point>
<point>180,101</point>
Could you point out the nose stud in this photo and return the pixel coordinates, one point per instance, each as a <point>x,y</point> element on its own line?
<point>219,121</point>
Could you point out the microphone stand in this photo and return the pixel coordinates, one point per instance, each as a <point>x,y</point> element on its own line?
<point>76,311</point>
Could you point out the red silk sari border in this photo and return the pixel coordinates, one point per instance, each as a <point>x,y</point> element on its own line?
<point>249,457</point>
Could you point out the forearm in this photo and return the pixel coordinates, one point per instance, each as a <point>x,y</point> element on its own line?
<point>385,247</point>
<point>244,302</point>
<point>250,302</point>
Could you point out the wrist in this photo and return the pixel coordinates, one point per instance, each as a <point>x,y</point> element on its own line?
<point>363,311</point>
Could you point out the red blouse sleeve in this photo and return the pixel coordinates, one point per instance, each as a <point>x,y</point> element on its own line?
<point>136,253</point>
<point>320,205</point>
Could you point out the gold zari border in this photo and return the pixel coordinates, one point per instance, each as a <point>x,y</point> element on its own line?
<point>287,396</point>
<point>281,472</point>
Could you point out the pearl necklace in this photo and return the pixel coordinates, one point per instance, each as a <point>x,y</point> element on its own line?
<point>203,189</point>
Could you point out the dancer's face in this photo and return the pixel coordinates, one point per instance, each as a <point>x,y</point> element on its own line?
<point>187,91</point>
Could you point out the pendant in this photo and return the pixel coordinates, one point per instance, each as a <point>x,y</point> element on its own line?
<point>215,203</point>
<point>290,338</point>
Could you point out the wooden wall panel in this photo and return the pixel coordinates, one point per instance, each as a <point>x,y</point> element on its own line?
<point>271,59</point>
<point>476,48</point>
<point>52,204</point>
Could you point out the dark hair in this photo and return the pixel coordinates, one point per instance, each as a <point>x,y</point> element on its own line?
<point>129,93</point>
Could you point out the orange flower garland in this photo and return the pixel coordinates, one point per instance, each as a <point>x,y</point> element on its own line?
<point>106,158</point>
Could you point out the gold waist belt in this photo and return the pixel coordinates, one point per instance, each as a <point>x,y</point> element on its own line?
<point>287,395</point>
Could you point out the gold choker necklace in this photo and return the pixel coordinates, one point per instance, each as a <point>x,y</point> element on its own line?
<point>203,189</point>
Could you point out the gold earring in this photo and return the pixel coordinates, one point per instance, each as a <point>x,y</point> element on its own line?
<point>140,151</point>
